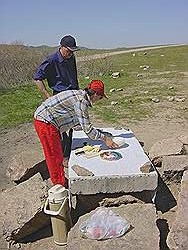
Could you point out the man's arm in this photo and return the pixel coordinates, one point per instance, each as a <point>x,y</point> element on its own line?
<point>91,132</point>
<point>41,86</point>
<point>109,142</point>
<point>41,74</point>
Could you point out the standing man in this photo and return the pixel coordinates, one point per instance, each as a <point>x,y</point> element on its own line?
<point>59,69</point>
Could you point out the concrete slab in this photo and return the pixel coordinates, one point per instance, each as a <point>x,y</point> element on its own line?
<point>123,175</point>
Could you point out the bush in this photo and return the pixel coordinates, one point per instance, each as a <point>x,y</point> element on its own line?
<point>17,64</point>
<point>95,67</point>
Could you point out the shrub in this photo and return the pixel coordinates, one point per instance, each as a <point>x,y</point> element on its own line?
<point>17,64</point>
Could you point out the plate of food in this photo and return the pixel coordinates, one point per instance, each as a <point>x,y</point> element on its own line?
<point>110,155</point>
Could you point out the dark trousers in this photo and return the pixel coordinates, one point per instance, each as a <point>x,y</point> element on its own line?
<point>66,143</point>
<point>66,139</point>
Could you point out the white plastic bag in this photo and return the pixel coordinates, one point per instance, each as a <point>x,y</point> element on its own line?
<point>104,224</point>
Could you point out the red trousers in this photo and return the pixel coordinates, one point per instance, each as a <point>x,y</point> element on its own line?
<point>51,142</point>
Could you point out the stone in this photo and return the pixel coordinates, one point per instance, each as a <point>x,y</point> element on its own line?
<point>175,163</point>
<point>118,176</point>
<point>112,90</point>
<point>80,171</point>
<point>143,233</point>
<point>178,236</point>
<point>173,168</point>
<point>25,164</point>
<point>145,67</point>
<point>117,201</point>
<point>170,98</point>
<point>115,74</point>
<point>155,99</point>
<point>157,161</point>
<point>114,184</point>
<point>171,146</point>
<point>147,167</point>
<point>113,103</point>
<point>179,99</point>
<point>21,209</point>
<point>183,138</point>
<point>185,149</point>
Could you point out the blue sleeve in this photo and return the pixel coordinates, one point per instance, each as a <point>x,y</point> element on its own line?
<point>42,70</point>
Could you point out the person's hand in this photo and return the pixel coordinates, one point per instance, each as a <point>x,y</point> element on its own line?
<point>109,142</point>
<point>47,95</point>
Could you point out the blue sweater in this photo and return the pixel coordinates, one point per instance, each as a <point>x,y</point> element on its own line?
<point>60,73</point>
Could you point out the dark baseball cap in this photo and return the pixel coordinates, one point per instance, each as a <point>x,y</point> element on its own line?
<point>69,42</point>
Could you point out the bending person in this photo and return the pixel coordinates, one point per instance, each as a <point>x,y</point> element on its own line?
<point>59,114</point>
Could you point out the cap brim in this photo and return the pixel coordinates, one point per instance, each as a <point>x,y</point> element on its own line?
<point>73,48</point>
<point>105,96</point>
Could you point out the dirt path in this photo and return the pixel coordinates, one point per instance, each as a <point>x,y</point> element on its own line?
<point>103,55</point>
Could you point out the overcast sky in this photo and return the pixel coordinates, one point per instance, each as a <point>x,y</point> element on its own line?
<point>94,23</point>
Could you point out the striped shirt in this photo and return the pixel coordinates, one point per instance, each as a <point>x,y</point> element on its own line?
<point>67,110</point>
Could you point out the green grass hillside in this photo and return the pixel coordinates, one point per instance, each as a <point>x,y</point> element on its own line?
<point>165,77</point>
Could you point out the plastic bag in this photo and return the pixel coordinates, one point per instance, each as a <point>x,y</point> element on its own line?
<point>104,224</point>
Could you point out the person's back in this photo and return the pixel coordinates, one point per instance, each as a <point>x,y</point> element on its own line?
<point>63,109</point>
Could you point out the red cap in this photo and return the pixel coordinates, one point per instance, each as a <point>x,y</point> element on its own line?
<point>98,87</point>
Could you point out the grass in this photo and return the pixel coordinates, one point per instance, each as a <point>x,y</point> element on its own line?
<point>18,105</point>
<point>134,103</point>
<point>163,78</point>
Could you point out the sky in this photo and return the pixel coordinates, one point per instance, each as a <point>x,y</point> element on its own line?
<point>94,23</point>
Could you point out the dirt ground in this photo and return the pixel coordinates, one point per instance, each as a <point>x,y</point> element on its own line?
<point>24,136</point>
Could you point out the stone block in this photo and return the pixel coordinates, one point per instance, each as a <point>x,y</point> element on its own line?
<point>25,164</point>
<point>171,146</point>
<point>173,167</point>
<point>143,233</point>
<point>114,184</point>
<point>178,236</point>
<point>21,209</point>
<point>175,163</point>
<point>131,172</point>
<point>185,149</point>
<point>183,138</point>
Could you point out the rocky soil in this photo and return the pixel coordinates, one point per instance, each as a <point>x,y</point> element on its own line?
<point>23,138</point>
